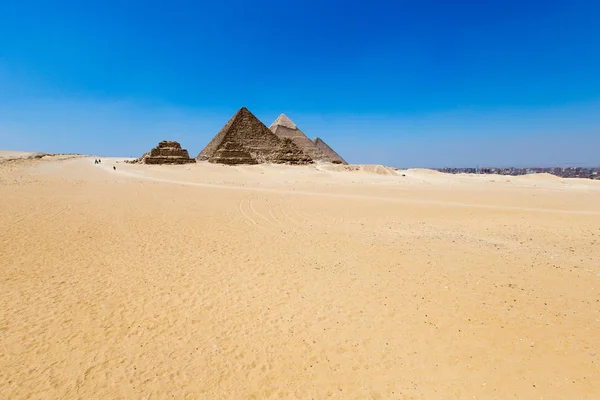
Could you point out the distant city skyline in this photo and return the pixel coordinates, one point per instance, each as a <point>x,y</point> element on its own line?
<point>569,172</point>
<point>435,84</point>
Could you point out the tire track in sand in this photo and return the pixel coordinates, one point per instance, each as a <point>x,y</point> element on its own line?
<point>260,215</point>
<point>293,221</point>
<point>246,209</point>
<point>247,218</point>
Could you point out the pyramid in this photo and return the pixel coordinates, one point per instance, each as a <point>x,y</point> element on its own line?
<point>246,140</point>
<point>283,127</point>
<point>167,152</point>
<point>233,153</point>
<point>329,152</point>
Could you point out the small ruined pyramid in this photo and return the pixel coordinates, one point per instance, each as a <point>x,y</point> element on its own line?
<point>167,152</point>
<point>246,140</point>
<point>329,152</point>
<point>283,127</point>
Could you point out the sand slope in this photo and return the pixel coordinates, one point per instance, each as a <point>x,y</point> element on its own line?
<point>206,281</point>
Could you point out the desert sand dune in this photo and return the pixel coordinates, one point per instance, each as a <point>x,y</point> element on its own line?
<point>7,154</point>
<point>423,171</point>
<point>274,281</point>
<point>370,169</point>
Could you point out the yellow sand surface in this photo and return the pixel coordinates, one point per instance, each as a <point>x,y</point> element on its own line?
<point>267,282</point>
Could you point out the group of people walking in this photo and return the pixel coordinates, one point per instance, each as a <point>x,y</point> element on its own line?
<point>99,161</point>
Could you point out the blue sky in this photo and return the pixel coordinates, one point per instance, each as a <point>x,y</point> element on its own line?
<point>403,83</point>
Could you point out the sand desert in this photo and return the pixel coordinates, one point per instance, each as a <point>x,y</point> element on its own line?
<point>207,281</point>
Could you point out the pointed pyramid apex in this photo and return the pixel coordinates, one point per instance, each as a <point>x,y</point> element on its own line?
<point>243,110</point>
<point>283,120</point>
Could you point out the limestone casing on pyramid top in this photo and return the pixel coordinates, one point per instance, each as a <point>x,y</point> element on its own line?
<point>283,120</point>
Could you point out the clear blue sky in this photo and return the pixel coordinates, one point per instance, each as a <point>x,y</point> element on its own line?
<point>404,83</point>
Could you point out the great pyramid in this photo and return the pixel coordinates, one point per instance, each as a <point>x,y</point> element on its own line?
<point>283,127</point>
<point>329,152</point>
<point>246,140</point>
<point>167,152</point>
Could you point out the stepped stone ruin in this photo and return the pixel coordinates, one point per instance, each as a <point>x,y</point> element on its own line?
<point>246,140</point>
<point>329,152</point>
<point>167,152</point>
<point>284,128</point>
